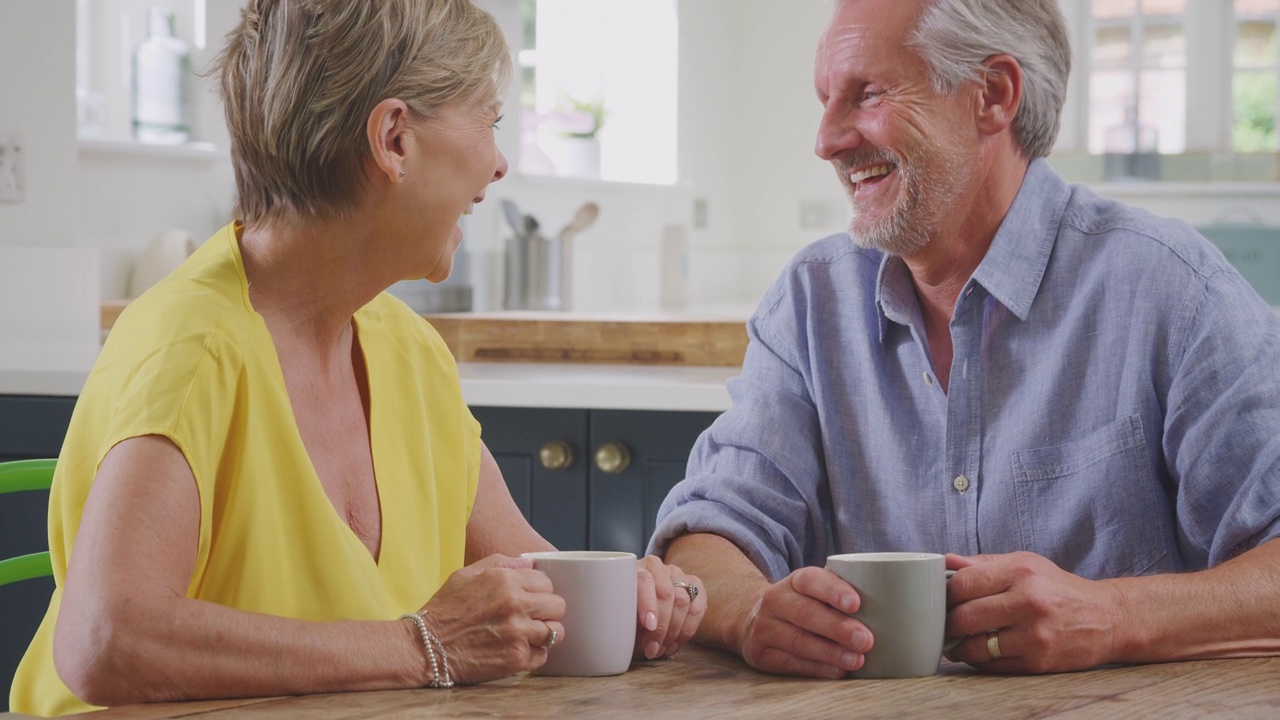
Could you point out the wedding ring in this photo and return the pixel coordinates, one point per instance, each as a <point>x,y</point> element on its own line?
<point>691,589</point>
<point>552,637</point>
<point>993,645</point>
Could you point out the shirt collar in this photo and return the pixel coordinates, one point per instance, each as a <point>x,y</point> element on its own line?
<point>1014,264</point>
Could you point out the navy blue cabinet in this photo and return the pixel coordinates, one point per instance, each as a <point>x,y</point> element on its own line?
<point>30,427</point>
<point>591,479</point>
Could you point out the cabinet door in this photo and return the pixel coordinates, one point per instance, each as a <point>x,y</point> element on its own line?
<point>553,500</point>
<point>30,427</point>
<point>33,427</point>
<point>625,504</point>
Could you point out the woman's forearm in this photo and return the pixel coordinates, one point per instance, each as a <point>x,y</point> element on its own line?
<point>140,650</point>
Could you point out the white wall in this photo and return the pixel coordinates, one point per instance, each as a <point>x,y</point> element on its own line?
<point>37,105</point>
<point>748,118</point>
<point>48,286</point>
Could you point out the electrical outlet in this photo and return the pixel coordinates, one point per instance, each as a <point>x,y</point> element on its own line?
<point>699,213</point>
<point>11,171</point>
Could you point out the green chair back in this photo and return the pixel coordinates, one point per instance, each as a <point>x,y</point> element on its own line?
<point>16,476</point>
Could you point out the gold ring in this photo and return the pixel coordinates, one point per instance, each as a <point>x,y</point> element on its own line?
<point>552,637</point>
<point>993,645</point>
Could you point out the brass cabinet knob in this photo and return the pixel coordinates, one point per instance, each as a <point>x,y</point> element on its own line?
<point>556,455</point>
<point>613,457</point>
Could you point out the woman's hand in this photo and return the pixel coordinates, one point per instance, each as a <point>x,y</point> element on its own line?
<point>667,614</point>
<point>493,617</point>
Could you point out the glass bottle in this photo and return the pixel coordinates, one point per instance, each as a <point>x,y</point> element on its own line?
<point>161,66</point>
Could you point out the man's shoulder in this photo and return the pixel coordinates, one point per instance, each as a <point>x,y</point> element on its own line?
<point>825,282</point>
<point>1107,226</point>
<point>832,250</point>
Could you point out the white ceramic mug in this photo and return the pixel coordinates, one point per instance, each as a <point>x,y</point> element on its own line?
<point>904,605</point>
<point>599,591</point>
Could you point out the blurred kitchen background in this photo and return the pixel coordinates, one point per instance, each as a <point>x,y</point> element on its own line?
<point>689,123</point>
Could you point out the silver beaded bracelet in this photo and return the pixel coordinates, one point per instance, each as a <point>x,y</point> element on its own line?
<point>444,656</point>
<point>431,643</point>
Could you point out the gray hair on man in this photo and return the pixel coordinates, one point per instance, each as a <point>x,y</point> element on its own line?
<point>955,38</point>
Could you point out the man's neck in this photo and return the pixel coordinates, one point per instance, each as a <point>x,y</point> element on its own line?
<point>941,270</point>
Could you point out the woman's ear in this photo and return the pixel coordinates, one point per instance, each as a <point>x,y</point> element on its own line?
<point>387,129</point>
<point>1001,94</point>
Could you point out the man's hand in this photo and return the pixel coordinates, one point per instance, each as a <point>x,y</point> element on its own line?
<point>799,626</point>
<point>1045,618</point>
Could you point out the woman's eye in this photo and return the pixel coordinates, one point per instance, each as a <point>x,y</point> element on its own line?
<point>495,122</point>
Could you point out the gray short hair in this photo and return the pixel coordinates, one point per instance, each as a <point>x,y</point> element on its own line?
<point>955,36</point>
<point>300,77</point>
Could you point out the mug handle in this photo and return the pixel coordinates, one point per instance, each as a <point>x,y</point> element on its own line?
<point>948,644</point>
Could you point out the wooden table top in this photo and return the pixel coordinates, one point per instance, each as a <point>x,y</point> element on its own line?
<point>701,684</point>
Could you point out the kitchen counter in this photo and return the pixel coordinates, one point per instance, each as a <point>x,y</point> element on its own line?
<point>670,361</point>
<point>550,385</point>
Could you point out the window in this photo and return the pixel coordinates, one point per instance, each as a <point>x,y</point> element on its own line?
<point>1256,75</point>
<point>599,90</point>
<point>1138,77</point>
<point>1185,90</point>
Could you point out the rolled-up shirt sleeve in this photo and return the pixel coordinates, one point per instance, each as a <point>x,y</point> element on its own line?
<point>756,475</point>
<point>1222,431</point>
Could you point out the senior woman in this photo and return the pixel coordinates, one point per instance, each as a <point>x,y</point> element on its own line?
<point>271,480</point>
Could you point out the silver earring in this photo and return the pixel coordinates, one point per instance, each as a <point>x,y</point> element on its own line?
<point>401,174</point>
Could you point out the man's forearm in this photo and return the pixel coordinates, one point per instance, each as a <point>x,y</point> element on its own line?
<point>733,583</point>
<point>1226,611</point>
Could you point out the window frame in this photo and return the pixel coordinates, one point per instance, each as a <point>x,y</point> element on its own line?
<point>1210,27</point>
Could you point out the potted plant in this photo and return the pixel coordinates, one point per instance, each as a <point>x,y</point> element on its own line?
<point>581,136</point>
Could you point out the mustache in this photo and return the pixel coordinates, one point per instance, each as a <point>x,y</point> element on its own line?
<point>862,158</point>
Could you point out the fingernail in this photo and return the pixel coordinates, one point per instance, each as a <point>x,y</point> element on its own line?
<point>846,602</point>
<point>849,660</point>
<point>834,673</point>
<point>652,649</point>
<point>650,621</point>
<point>860,640</point>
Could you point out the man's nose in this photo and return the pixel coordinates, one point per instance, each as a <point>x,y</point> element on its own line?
<point>837,134</point>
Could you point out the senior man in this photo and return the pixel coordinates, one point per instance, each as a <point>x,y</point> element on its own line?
<point>1077,399</point>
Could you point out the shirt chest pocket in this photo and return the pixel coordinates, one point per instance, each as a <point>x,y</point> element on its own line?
<point>1093,506</point>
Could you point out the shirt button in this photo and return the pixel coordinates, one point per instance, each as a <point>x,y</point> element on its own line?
<point>928,379</point>
<point>961,483</point>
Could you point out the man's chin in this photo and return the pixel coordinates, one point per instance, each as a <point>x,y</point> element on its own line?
<point>891,242</point>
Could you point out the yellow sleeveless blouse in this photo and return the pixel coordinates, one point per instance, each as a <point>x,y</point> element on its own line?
<point>190,360</point>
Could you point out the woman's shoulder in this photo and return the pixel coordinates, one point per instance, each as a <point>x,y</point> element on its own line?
<point>198,312</point>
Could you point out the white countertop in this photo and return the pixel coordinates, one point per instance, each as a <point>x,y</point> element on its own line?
<point>42,382</point>
<point>604,387</point>
<point>601,387</point>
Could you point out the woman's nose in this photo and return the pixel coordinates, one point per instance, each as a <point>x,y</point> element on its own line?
<point>500,171</point>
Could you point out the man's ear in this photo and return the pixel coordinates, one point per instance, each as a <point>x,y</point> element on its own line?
<point>386,129</point>
<point>1001,94</point>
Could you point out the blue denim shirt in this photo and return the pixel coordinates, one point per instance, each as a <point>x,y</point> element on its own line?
<point>1113,405</point>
